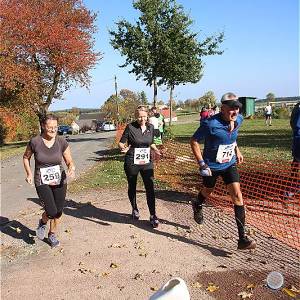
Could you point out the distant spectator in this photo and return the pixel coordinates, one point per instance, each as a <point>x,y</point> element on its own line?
<point>268,114</point>
<point>204,114</point>
<point>161,121</point>
<point>155,122</point>
<point>215,110</point>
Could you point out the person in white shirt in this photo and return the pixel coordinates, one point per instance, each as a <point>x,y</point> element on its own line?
<point>268,114</point>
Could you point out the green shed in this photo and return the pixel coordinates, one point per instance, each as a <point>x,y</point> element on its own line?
<point>248,108</point>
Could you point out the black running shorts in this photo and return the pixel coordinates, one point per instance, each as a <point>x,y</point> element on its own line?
<point>229,175</point>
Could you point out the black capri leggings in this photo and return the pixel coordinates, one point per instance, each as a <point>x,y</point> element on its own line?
<point>147,174</point>
<point>53,198</point>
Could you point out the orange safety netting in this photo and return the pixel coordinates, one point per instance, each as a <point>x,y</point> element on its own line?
<point>271,190</point>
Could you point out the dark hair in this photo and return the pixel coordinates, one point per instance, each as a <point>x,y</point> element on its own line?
<point>49,117</point>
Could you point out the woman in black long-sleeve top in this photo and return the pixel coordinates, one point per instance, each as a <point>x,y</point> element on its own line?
<point>139,136</point>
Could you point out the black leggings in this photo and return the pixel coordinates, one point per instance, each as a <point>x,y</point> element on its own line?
<point>147,174</point>
<point>53,198</point>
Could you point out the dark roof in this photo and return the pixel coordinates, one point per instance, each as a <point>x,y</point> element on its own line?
<point>280,99</point>
<point>92,116</point>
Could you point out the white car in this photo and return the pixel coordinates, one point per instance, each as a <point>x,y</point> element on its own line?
<point>108,126</point>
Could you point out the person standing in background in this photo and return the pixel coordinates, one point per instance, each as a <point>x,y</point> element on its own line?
<point>268,114</point>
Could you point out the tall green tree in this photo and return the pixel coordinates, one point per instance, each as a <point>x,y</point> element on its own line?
<point>160,47</point>
<point>183,53</point>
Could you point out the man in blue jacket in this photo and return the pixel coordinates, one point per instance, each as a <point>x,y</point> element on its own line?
<point>295,174</point>
<point>219,158</point>
<point>295,124</point>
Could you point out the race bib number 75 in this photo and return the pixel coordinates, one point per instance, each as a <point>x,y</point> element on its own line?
<point>51,175</point>
<point>225,153</point>
<point>141,156</point>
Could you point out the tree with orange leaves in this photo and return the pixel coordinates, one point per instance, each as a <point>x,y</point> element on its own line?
<point>46,46</point>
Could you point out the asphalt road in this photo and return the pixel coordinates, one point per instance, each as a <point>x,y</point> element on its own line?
<point>15,192</point>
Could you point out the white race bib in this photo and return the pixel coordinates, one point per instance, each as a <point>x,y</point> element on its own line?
<point>51,175</point>
<point>141,156</point>
<point>225,153</point>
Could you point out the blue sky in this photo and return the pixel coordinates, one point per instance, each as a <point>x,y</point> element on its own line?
<point>261,51</point>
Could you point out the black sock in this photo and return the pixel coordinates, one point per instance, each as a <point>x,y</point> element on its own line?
<point>201,199</point>
<point>239,211</point>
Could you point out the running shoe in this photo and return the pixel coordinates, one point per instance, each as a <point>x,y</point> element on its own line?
<point>246,244</point>
<point>198,212</point>
<point>154,221</point>
<point>135,214</point>
<point>40,231</point>
<point>53,241</point>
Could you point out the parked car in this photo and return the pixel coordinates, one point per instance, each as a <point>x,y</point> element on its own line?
<point>108,126</point>
<point>64,129</point>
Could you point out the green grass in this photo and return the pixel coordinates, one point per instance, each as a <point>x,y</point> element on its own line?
<point>12,149</point>
<point>107,173</point>
<point>255,138</point>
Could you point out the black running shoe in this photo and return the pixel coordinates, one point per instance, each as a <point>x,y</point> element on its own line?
<point>135,214</point>
<point>154,221</point>
<point>198,212</point>
<point>246,244</point>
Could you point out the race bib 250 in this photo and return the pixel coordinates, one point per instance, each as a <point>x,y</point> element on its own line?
<point>51,175</point>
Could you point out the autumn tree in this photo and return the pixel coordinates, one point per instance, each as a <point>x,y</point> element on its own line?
<point>46,47</point>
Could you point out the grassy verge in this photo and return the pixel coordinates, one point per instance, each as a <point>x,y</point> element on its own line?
<point>255,138</point>
<point>13,149</point>
<point>107,173</point>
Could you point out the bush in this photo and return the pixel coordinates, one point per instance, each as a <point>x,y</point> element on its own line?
<point>281,113</point>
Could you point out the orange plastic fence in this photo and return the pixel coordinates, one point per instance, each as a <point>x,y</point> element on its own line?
<point>271,190</point>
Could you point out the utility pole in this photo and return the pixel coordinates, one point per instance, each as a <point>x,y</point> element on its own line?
<point>117,100</point>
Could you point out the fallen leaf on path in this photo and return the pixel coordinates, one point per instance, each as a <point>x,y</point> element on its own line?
<point>294,289</point>
<point>245,295</point>
<point>222,266</point>
<point>104,274</point>
<point>196,284</point>
<point>212,287</point>
<point>114,265</point>
<point>289,292</point>
<point>153,288</point>
<point>138,276</point>
<point>68,230</point>
<point>250,286</point>
<point>116,245</point>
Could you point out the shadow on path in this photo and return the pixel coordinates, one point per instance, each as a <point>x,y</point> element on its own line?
<point>17,230</point>
<point>87,211</point>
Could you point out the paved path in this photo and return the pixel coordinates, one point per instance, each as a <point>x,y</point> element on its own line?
<point>15,191</point>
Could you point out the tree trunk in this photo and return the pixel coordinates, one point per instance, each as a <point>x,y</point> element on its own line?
<point>170,101</point>
<point>155,92</point>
